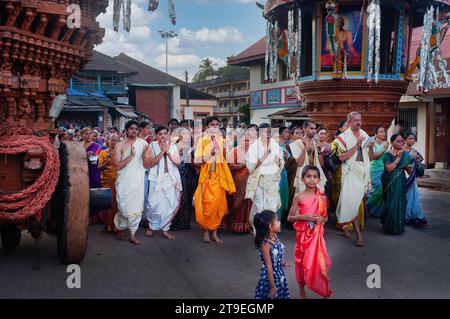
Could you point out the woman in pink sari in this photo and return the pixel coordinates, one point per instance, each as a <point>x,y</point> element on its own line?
<point>238,205</point>
<point>312,262</point>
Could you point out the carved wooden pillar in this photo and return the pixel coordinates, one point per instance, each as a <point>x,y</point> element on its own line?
<point>2,109</point>
<point>10,109</point>
<point>79,37</point>
<point>29,17</point>
<point>40,110</point>
<point>13,13</point>
<point>54,34</point>
<point>68,35</point>
<point>43,21</point>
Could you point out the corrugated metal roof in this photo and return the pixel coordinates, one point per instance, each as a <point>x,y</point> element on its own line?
<point>126,113</point>
<point>88,101</point>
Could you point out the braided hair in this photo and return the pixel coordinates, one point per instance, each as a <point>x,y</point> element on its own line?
<point>262,221</point>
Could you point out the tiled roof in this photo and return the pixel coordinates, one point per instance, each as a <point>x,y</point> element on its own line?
<point>103,62</point>
<point>256,51</point>
<point>146,74</point>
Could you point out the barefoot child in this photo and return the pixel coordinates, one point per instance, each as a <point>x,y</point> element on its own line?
<point>312,262</point>
<point>272,283</point>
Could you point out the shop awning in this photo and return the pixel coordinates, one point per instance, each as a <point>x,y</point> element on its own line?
<point>293,114</point>
<point>126,112</point>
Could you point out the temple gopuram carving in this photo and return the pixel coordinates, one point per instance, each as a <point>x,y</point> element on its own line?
<point>39,53</point>
<point>43,186</point>
<point>352,55</point>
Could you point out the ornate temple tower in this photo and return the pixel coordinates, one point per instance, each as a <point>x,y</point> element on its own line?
<point>334,47</point>
<point>39,53</point>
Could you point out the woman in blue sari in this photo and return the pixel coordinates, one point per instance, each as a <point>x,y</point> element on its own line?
<point>396,162</point>
<point>414,214</point>
<point>284,140</point>
<point>377,148</point>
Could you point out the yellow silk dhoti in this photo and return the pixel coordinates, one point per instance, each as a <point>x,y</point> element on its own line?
<point>210,198</point>
<point>210,203</point>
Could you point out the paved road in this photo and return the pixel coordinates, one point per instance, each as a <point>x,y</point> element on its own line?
<point>414,265</point>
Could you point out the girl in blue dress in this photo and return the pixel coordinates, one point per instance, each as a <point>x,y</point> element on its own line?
<point>272,283</point>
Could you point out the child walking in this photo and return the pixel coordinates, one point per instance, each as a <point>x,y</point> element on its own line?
<point>272,283</point>
<point>312,262</point>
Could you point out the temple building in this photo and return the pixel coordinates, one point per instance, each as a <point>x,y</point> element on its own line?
<point>266,97</point>
<point>232,92</point>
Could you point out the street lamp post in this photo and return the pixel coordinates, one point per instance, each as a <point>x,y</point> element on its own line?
<point>166,35</point>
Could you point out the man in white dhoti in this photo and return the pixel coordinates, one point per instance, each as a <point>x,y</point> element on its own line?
<point>130,157</point>
<point>354,155</point>
<point>144,133</point>
<point>164,190</point>
<point>264,161</point>
<point>305,152</point>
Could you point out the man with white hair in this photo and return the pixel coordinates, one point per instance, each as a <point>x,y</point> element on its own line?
<point>354,155</point>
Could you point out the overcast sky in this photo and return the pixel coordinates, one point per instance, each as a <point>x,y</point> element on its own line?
<point>207,28</point>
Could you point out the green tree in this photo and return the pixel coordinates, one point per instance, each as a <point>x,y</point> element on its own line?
<point>245,111</point>
<point>206,68</point>
<point>231,70</point>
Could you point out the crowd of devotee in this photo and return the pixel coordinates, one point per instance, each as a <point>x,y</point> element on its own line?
<point>256,179</point>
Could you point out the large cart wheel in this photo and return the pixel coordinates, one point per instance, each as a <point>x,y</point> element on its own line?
<point>70,203</point>
<point>10,236</point>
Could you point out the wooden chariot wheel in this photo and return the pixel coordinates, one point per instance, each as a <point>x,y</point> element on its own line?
<point>70,203</point>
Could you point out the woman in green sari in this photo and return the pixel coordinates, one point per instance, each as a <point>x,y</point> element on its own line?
<point>284,140</point>
<point>396,162</point>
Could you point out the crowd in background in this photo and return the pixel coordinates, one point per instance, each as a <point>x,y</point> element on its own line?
<point>229,177</point>
<point>324,142</point>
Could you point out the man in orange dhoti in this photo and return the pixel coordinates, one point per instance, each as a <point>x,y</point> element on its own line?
<point>312,262</point>
<point>215,180</point>
<point>106,163</point>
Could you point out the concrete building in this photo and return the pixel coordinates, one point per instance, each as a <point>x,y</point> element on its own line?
<point>125,81</point>
<point>95,95</point>
<point>162,96</point>
<point>232,92</point>
<point>266,98</point>
<point>83,109</point>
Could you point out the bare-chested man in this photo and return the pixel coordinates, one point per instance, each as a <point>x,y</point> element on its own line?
<point>354,155</point>
<point>130,160</point>
<point>305,152</point>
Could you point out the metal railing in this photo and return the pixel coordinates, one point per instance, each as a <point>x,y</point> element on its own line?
<point>231,94</point>
<point>227,109</point>
<point>222,80</point>
<point>103,88</point>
